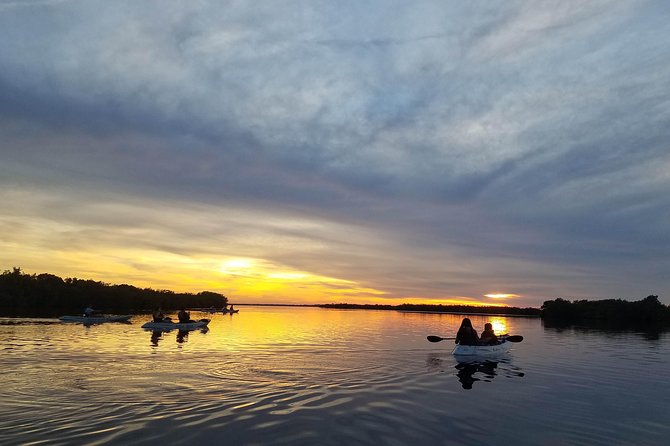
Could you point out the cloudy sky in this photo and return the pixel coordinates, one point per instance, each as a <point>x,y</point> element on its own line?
<point>340,151</point>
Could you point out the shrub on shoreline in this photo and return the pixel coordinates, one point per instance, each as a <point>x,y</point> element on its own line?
<point>614,312</point>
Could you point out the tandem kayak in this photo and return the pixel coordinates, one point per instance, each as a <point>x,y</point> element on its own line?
<point>485,350</point>
<point>182,326</point>
<point>95,319</point>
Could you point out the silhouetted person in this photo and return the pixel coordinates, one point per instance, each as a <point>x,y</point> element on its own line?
<point>184,316</point>
<point>158,315</point>
<point>89,311</point>
<point>488,336</point>
<point>466,334</point>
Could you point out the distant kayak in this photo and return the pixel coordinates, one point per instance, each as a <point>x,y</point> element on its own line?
<point>230,312</point>
<point>95,319</point>
<point>167,326</point>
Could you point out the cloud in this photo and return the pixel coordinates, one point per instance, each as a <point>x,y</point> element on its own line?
<point>433,149</point>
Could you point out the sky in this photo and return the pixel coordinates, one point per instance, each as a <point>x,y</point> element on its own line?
<point>497,153</point>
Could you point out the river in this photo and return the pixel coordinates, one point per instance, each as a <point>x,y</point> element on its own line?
<point>312,376</point>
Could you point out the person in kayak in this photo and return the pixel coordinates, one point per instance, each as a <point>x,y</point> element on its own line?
<point>488,336</point>
<point>89,311</point>
<point>158,315</point>
<point>184,316</point>
<point>466,334</point>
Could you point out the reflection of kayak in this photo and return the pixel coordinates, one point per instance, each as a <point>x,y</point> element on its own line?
<point>167,326</point>
<point>95,319</point>
<point>483,350</point>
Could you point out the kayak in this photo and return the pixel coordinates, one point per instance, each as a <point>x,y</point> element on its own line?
<point>95,319</point>
<point>230,312</point>
<point>483,350</point>
<point>182,326</point>
<point>167,326</point>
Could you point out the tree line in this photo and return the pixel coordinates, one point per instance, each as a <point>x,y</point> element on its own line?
<point>611,312</point>
<point>430,308</point>
<point>42,293</point>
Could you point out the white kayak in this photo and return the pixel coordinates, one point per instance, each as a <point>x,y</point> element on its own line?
<point>95,319</point>
<point>483,350</point>
<point>183,326</point>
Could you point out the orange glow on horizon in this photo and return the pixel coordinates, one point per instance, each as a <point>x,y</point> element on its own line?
<point>425,301</point>
<point>241,279</point>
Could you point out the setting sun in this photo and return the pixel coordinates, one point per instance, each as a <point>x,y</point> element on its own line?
<point>500,295</point>
<point>235,266</point>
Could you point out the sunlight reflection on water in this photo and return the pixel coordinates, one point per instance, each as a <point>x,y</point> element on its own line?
<point>314,376</point>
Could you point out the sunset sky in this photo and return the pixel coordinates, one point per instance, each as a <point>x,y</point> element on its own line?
<point>340,151</point>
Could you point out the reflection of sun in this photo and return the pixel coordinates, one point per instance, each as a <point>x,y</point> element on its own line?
<point>499,326</point>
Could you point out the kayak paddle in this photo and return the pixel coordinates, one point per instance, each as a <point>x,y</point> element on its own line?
<point>513,338</point>
<point>438,339</point>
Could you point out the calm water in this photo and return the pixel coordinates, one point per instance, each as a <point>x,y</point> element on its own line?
<point>327,377</point>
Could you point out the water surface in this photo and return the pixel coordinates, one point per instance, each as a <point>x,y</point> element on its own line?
<point>275,375</point>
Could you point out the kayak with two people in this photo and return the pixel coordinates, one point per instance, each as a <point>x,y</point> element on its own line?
<point>468,343</point>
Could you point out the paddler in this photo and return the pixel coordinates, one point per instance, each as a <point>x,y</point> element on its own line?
<point>466,334</point>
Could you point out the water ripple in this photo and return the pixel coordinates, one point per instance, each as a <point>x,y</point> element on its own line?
<point>69,384</point>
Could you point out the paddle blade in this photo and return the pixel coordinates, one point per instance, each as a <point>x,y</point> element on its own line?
<point>514,338</point>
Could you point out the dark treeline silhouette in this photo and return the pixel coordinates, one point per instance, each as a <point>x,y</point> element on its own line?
<point>609,312</point>
<point>31,293</point>
<point>459,309</point>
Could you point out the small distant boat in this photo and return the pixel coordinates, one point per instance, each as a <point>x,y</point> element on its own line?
<point>181,326</point>
<point>96,319</point>
<point>230,311</point>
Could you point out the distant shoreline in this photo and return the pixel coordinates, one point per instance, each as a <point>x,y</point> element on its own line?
<point>415,308</point>
<point>442,309</point>
<point>470,313</point>
<point>275,305</point>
